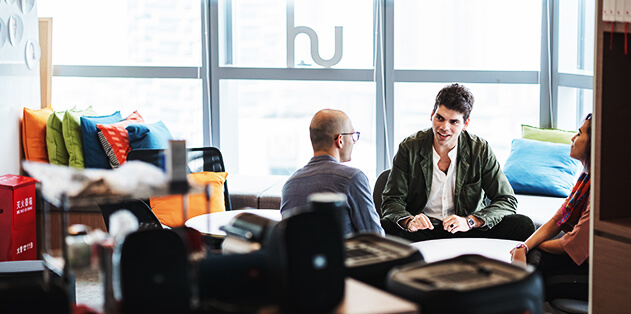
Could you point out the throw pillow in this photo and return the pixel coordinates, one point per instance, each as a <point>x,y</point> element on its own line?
<point>114,140</point>
<point>72,135</point>
<point>169,208</point>
<point>545,168</point>
<point>546,135</point>
<point>57,153</point>
<point>152,136</point>
<point>93,153</point>
<point>34,133</point>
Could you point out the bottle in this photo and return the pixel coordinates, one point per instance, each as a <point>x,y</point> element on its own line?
<point>79,248</point>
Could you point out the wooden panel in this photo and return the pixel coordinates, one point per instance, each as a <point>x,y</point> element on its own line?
<point>619,227</point>
<point>611,185</point>
<point>611,277</point>
<point>46,61</point>
<point>596,125</point>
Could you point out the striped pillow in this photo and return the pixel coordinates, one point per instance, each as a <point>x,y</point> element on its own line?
<point>114,139</point>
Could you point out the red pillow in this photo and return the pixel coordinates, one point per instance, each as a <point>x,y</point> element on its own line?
<point>114,139</point>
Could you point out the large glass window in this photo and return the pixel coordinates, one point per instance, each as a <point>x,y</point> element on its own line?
<point>467,35</point>
<point>121,32</point>
<point>574,104</point>
<point>248,75</point>
<point>497,115</point>
<point>130,55</point>
<point>576,36</point>
<point>266,126</point>
<point>256,33</point>
<point>175,102</point>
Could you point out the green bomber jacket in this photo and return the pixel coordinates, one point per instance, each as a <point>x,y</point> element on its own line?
<point>482,189</point>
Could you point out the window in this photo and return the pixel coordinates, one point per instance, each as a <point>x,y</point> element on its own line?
<point>498,111</point>
<point>176,102</point>
<point>121,32</point>
<point>268,123</point>
<point>133,55</point>
<point>575,62</point>
<point>248,75</point>
<point>440,42</point>
<point>467,35</point>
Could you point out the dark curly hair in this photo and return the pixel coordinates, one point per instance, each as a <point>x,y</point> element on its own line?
<point>455,97</point>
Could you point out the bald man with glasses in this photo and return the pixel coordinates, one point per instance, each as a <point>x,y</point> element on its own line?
<point>332,138</point>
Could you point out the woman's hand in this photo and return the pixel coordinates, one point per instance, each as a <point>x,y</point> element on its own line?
<point>518,257</point>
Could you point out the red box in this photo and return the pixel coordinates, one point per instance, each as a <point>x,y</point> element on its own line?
<point>17,218</point>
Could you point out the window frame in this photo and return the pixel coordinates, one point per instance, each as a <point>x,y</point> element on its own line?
<point>383,75</point>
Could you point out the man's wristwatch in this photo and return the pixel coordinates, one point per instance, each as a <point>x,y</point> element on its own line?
<point>470,222</point>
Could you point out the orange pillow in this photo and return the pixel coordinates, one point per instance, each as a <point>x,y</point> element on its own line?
<point>34,133</point>
<point>169,208</point>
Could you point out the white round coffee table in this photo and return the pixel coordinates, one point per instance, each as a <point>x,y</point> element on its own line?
<point>441,249</point>
<point>210,223</point>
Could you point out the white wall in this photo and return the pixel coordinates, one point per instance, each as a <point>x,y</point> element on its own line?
<point>19,85</point>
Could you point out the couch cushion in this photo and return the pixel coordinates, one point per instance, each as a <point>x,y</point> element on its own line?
<point>72,135</point>
<point>543,168</point>
<point>34,133</point>
<point>270,198</point>
<point>114,140</point>
<point>93,153</point>
<point>546,135</point>
<point>149,135</point>
<point>57,153</point>
<point>168,209</point>
<point>245,190</point>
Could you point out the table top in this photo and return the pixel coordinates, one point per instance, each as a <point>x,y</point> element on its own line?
<point>210,223</point>
<point>362,298</point>
<point>441,249</point>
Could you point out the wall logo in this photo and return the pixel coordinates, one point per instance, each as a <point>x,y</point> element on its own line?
<point>293,31</point>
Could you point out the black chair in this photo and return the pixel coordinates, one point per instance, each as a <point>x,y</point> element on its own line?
<point>378,189</point>
<point>199,159</point>
<point>565,306</point>
<point>140,208</point>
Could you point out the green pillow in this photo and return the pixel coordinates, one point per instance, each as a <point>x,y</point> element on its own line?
<point>546,135</point>
<point>72,135</point>
<point>57,153</point>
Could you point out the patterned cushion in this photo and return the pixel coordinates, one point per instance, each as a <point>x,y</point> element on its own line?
<point>114,139</point>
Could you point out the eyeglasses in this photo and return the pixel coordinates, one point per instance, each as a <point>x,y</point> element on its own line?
<point>355,135</point>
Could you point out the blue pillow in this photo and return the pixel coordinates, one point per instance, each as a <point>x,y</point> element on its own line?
<point>537,167</point>
<point>152,136</point>
<point>93,153</point>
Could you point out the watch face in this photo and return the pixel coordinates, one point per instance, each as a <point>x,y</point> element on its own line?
<point>471,222</point>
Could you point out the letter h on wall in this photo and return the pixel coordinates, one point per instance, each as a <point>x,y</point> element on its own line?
<point>293,31</point>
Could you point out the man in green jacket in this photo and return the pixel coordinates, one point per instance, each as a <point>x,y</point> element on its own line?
<point>446,182</point>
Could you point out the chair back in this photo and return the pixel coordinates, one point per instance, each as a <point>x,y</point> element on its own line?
<point>155,274</point>
<point>198,159</point>
<point>378,189</point>
<point>140,208</point>
<point>152,156</point>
